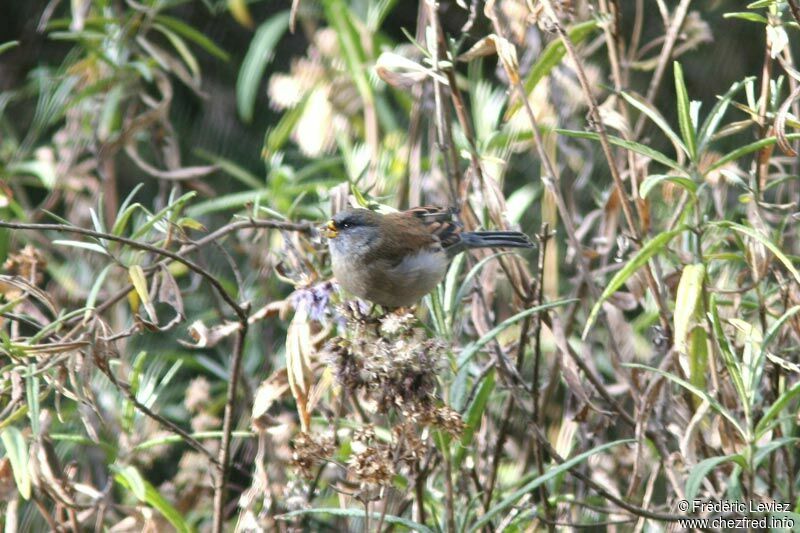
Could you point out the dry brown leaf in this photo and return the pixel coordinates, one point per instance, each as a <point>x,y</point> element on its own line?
<point>505,50</point>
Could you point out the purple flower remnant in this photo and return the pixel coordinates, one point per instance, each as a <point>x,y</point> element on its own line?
<point>314,300</point>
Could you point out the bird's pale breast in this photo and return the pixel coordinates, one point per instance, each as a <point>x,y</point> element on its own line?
<point>393,285</point>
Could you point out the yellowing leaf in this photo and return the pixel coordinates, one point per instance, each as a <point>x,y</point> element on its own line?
<point>687,303</point>
<point>298,363</point>
<point>136,274</point>
<point>240,12</point>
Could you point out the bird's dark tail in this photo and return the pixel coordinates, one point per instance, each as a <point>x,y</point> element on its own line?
<point>496,239</point>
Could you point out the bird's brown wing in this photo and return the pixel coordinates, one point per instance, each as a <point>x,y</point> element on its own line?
<point>439,221</point>
<point>401,235</point>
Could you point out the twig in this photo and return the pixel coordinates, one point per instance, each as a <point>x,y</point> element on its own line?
<point>191,441</point>
<point>795,10</point>
<point>140,246</point>
<point>536,420</point>
<point>575,471</point>
<point>443,133</point>
<point>302,227</point>
<point>594,113</point>
<point>498,449</point>
<point>449,493</point>
<point>663,59</point>
<point>227,428</point>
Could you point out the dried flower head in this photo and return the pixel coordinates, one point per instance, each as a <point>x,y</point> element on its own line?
<point>310,450</point>
<point>388,359</point>
<point>28,263</point>
<point>448,420</point>
<point>413,447</point>
<point>372,466</point>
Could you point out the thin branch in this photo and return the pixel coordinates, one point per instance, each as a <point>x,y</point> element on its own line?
<point>795,10</point>
<point>227,428</point>
<point>575,471</point>
<point>140,246</point>
<point>663,59</point>
<point>594,113</point>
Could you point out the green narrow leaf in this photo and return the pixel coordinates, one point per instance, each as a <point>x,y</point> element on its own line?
<point>690,337</point>
<point>744,15</point>
<point>174,208</point>
<point>129,409</point>
<point>652,247</point>
<point>279,133</point>
<point>340,17</point>
<point>777,252</point>
<point>775,409</point>
<point>133,480</point>
<point>43,170</point>
<point>657,119</point>
<point>193,35</point>
<point>714,118</point>
<point>698,357</point>
<point>129,199</point>
<point>763,451</point>
<point>472,417</point>
<point>110,117</point>
<point>233,169</point>
<point>122,220</point>
<point>470,350</point>
<point>651,181</point>
<point>551,56</point>
<point>95,290</point>
<point>448,298</point>
<point>701,470</point>
<point>84,245</point>
<point>700,393</point>
<point>17,453</point>
<point>731,362</point>
<point>629,145</point>
<point>255,62</point>
<point>464,287</point>
<point>229,201</point>
<point>360,198</point>
<point>775,328</point>
<point>153,498</point>
<point>8,46</point>
<point>360,514</point>
<point>747,149</point>
<point>550,474</point>
<point>32,395</point>
<point>180,46</point>
<point>684,113</point>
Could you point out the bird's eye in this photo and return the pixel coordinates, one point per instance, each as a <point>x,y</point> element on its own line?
<point>345,225</point>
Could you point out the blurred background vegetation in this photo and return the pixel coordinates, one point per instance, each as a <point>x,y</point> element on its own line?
<point>175,356</point>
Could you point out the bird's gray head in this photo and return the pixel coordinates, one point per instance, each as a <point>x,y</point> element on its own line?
<point>352,231</point>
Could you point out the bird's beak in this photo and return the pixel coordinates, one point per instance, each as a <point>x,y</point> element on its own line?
<point>329,230</point>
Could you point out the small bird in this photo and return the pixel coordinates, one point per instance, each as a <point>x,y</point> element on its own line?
<point>393,260</point>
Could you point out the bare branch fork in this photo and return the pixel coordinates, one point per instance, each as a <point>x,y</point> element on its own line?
<point>241,311</point>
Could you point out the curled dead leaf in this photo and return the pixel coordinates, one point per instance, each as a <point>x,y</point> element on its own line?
<point>780,123</point>
<point>505,50</point>
<point>208,338</point>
